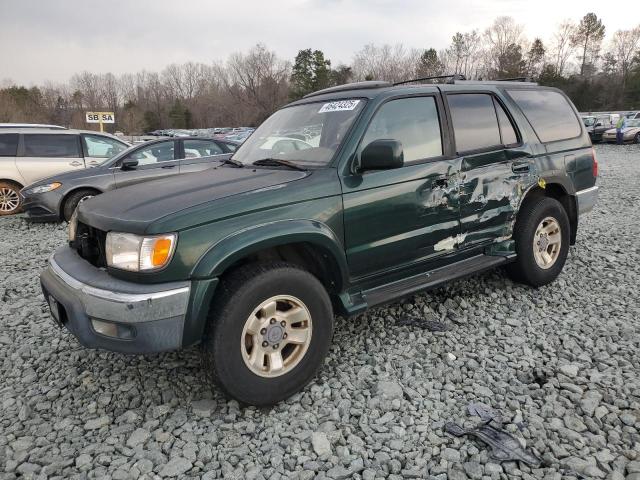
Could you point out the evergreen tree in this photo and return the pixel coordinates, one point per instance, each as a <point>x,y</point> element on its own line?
<point>588,37</point>
<point>311,72</point>
<point>429,64</point>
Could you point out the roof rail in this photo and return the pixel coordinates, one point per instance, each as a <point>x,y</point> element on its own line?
<point>453,77</point>
<point>350,86</point>
<point>515,79</point>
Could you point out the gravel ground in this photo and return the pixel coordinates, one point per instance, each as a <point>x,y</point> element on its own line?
<point>561,363</point>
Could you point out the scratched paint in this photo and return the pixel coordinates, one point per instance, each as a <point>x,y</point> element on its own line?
<point>449,243</point>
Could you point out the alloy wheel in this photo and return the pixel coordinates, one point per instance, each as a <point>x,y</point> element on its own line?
<point>547,242</point>
<point>9,199</point>
<point>276,336</point>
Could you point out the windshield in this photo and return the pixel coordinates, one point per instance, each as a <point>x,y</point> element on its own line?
<point>588,121</point>
<point>307,134</point>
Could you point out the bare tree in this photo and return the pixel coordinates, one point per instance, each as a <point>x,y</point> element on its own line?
<point>562,47</point>
<point>502,37</point>
<point>393,63</point>
<point>624,47</point>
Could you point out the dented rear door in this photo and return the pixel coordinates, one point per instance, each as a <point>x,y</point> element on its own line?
<point>496,166</point>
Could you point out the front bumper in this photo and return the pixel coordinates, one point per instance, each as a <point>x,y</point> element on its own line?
<point>587,199</point>
<point>42,207</point>
<point>150,317</point>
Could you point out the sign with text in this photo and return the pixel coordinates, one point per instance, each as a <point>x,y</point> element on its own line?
<point>100,117</point>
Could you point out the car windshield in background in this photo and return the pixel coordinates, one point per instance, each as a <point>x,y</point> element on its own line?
<point>588,121</point>
<point>307,134</point>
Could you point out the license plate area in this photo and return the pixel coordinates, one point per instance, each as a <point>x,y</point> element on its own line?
<point>57,310</point>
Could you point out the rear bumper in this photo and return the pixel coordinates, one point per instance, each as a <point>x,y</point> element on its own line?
<point>138,318</point>
<point>587,199</point>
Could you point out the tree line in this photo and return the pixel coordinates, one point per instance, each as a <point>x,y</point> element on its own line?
<point>597,71</point>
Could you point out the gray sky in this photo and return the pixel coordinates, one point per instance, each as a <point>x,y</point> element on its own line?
<point>44,40</point>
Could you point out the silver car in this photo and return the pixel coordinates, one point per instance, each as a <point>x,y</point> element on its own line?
<point>29,154</point>
<point>630,133</point>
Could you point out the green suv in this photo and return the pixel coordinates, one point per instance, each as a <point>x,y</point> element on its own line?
<point>351,197</point>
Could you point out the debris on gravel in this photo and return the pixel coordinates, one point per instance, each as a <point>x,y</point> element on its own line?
<point>560,364</point>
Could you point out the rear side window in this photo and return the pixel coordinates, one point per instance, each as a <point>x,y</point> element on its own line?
<point>201,148</point>
<point>8,144</point>
<point>475,124</point>
<point>507,132</point>
<point>549,113</point>
<point>64,146</point>
<point>412,121</point>
<point>98,146</point>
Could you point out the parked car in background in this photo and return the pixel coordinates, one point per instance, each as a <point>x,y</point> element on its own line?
<point>407,188</point>
<point>630,133</point>
<point>598,124</point>
<point>56,198</point>
<point>28,154</point>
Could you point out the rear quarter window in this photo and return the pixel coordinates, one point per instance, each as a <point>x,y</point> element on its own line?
<point>549,113</point>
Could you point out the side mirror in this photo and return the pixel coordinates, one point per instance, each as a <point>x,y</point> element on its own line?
<point>382,155</point>
<point>129,164</point>
<point>598,124</point>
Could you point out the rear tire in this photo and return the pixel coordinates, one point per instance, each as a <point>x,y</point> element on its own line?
<point>542,236</point>
<point>72,202</point>
<point>268,332</point>
<point>10,200</point>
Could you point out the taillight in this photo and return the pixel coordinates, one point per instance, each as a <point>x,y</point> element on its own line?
<point>595,162</point>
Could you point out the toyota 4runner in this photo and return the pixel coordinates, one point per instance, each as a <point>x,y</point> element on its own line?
<point>351,197</point>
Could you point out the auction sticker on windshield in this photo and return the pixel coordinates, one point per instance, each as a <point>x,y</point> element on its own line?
<point>339,106</point>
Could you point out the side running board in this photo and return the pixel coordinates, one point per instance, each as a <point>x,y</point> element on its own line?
<point>424,281</point>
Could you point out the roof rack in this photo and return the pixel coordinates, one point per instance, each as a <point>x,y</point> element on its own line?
<point>515,79</point>
<point>350,86</point>
<point>453,77</point>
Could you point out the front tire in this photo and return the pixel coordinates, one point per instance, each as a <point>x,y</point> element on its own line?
<point>10,200</point>
<point>636,139</point>
<point>268,332</point>
<point>72,202</point>
<point>541,233</point>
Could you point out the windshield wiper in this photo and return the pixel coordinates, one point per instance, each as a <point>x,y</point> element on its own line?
<point>231,161</point>
<point>278,162</point>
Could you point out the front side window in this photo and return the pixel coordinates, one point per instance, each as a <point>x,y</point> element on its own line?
<point>475,124</point>
<point>201,148</point>
<point>155,153</point>
<point>8,144</point>
<point>308,134</point>
<point>61,146</point>
<point>98,146</point>
<point>413,122</point>
<point>549,113</point>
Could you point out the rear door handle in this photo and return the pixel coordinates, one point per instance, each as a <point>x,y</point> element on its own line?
<point>520,167</point>
<point>75,163</point>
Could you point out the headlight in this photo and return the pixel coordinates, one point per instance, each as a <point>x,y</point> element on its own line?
<point>44,188</point>
<point>136,253</point>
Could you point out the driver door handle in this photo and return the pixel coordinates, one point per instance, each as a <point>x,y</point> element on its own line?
<point>75,163</point>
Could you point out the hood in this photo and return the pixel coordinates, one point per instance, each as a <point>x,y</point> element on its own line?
<point>134,208</point>
<point>72,175</point>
